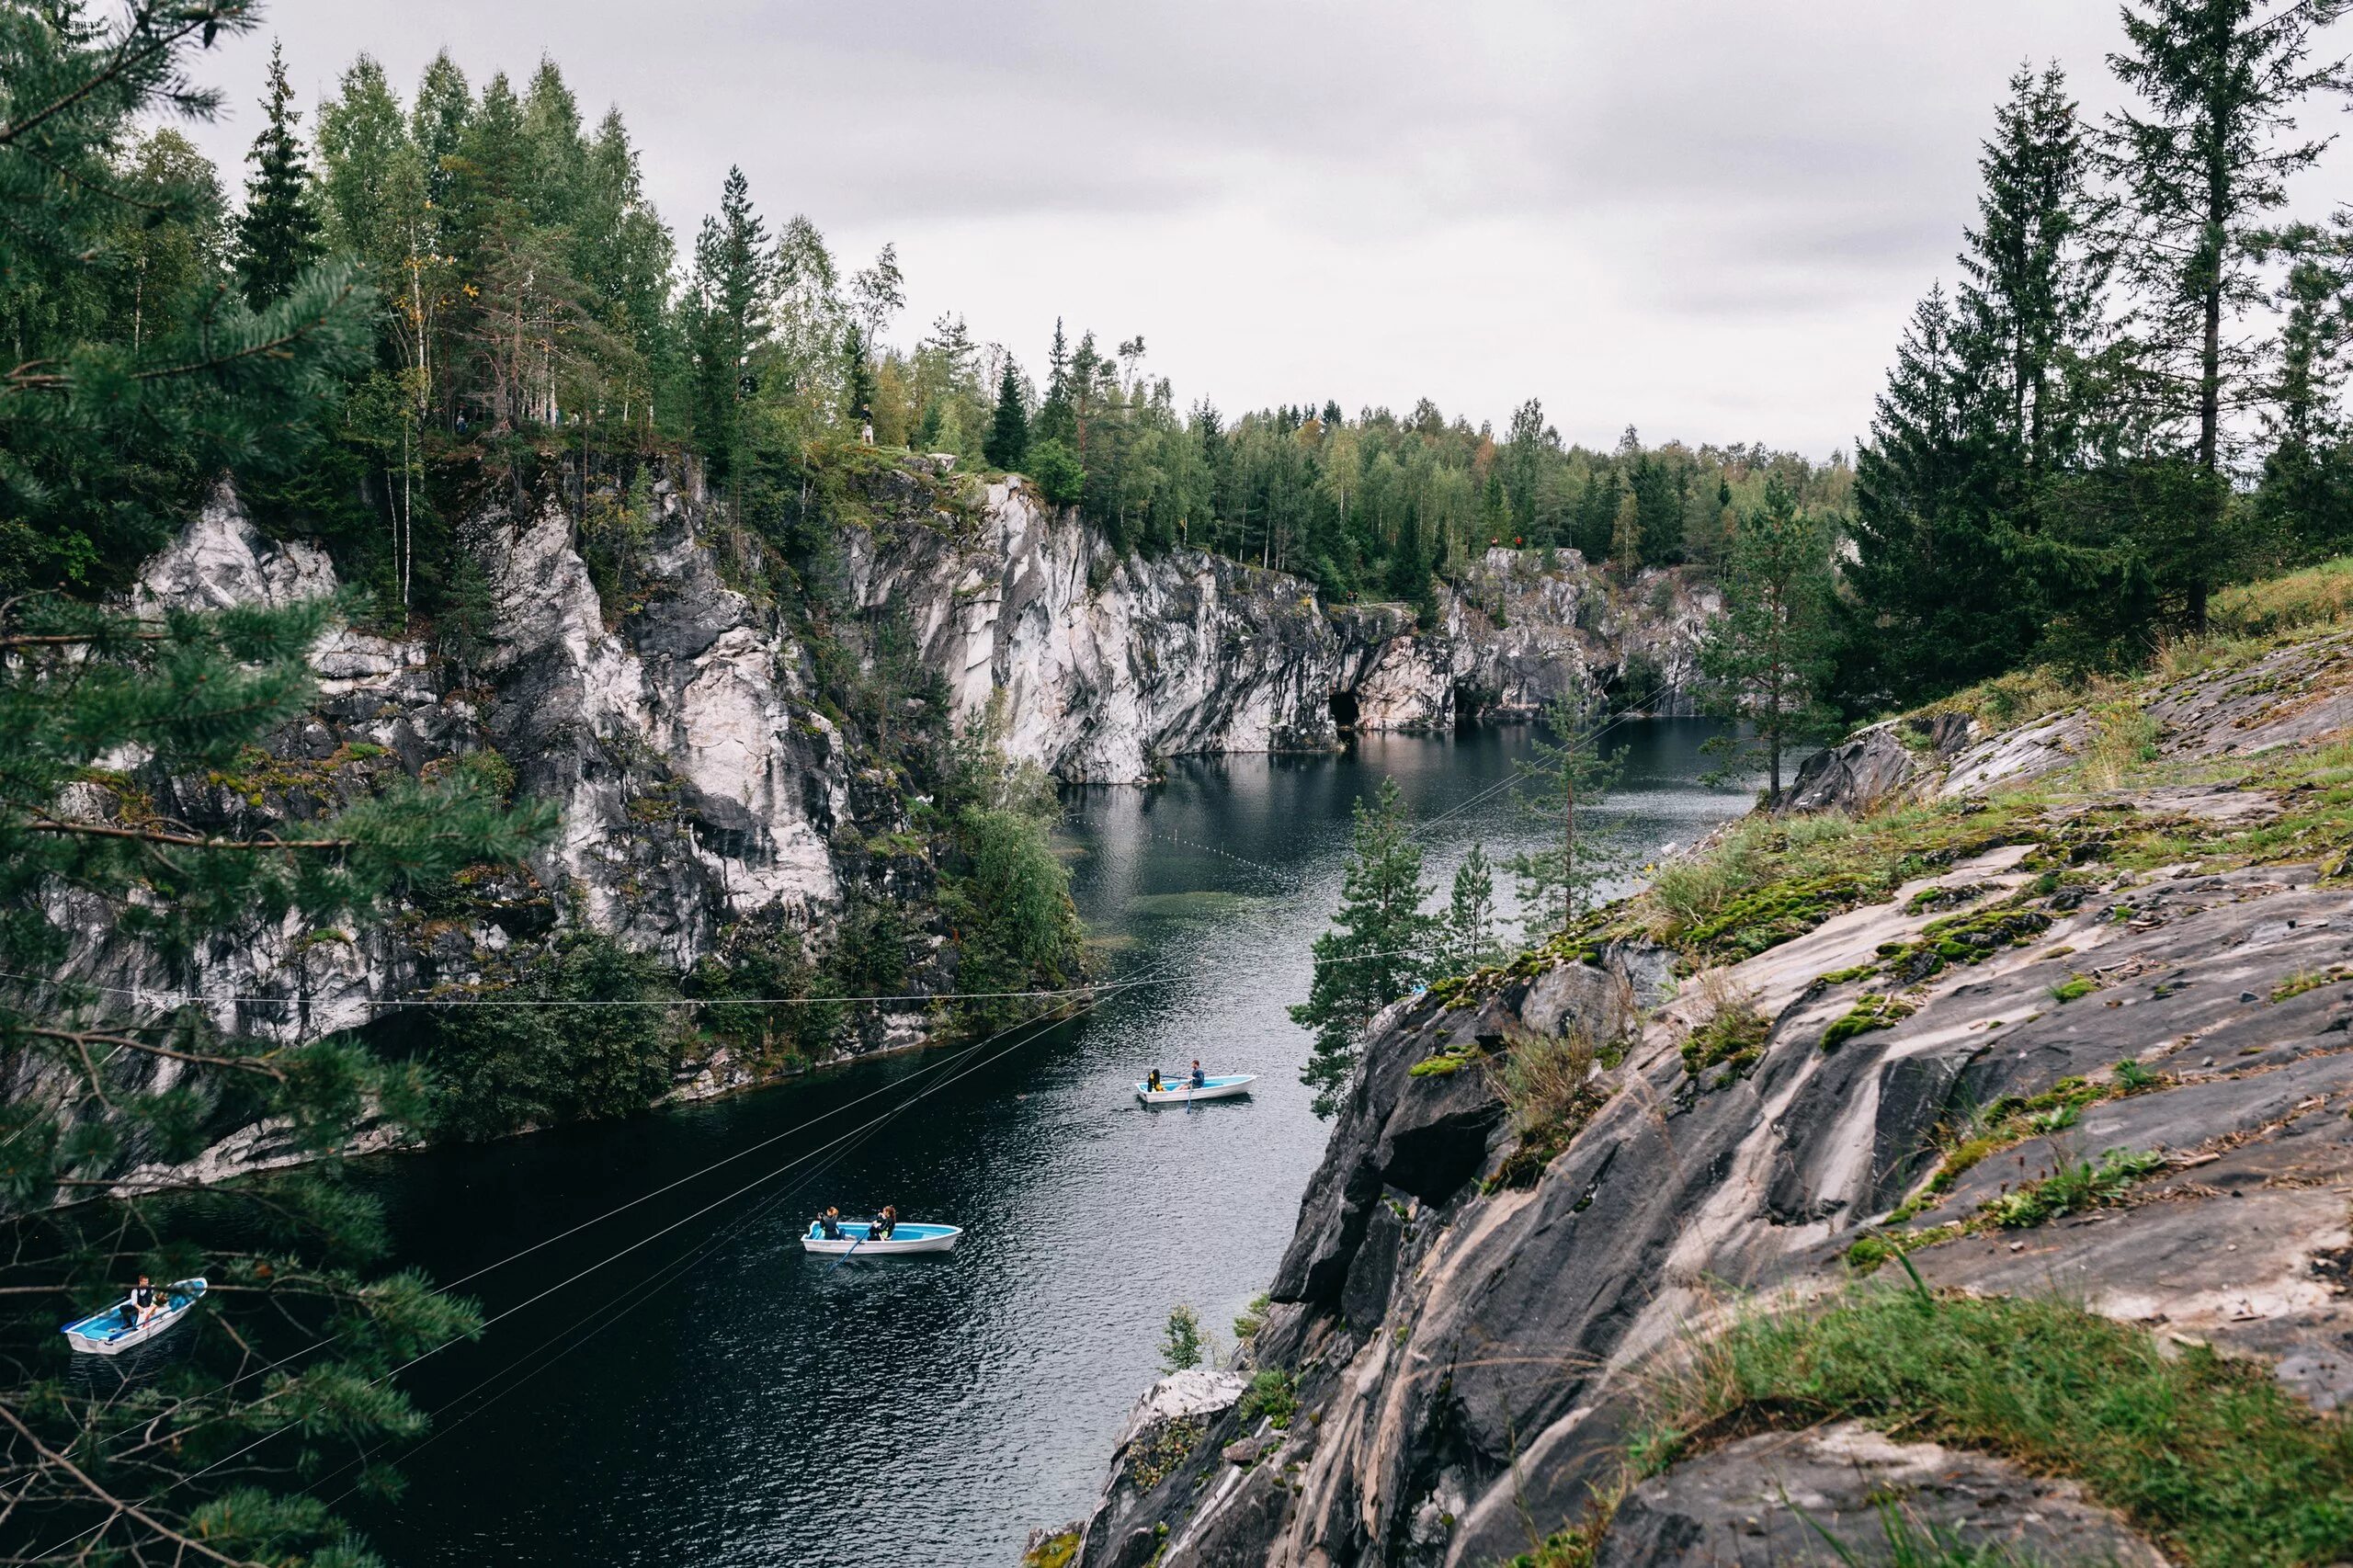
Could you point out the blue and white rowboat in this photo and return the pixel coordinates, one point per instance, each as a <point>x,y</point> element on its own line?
<point>1180,1091</point>
<point>905,1237</point>
<point>104,1333</point>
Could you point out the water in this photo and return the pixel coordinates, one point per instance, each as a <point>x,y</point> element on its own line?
<point>716,1397</point>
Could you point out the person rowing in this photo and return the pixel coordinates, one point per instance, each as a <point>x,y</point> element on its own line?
<point>1200,1079</point>
<point>829,1225</point>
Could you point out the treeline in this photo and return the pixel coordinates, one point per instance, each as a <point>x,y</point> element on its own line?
<point>530,305</point>
<point>2131,392</point>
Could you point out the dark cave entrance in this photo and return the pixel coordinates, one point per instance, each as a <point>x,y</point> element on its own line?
<point>1345,710</point>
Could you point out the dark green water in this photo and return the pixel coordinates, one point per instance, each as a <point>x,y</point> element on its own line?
<point>716,1397</point>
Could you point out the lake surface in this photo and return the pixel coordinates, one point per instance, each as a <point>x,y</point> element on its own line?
<point>714,1396</point>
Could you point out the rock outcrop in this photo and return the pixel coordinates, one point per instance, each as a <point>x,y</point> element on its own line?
<point>704,780</point>
<point>2141,991</point>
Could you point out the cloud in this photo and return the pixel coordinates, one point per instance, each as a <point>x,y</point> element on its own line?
<point>1709,217</point>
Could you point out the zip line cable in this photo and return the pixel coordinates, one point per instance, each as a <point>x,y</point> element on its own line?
<point>854,1136</point>
<point>587,1328</point>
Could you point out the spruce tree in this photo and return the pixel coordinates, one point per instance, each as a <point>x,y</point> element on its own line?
<point>278,233</point>
<point>1376,950</point>
<point>728,301</point>
<point>1007,447</point>
<point>2205,153</point>
<point>2030,305</point>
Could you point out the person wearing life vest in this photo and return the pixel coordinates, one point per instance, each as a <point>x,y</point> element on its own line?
<point>142,1305</point>
<point>1152,1083</point>
<point>829,1225</point>
<point>884,1223</point>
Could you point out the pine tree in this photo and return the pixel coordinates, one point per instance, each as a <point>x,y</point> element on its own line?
<point>1375,952</point>
<point>1569,774</point>
<point>277,234</point>
<point>1009,444</point>
<point>109,714</point>
<point>1767,658</point>
<point>2201,158</point>
<point>729,300</point>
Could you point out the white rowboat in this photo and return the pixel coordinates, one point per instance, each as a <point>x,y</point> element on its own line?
<point>905,1237</point>
<point>1180,1091</point>
<point>105,1333</point>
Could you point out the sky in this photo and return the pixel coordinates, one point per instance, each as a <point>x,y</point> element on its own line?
<point>1707,219</point>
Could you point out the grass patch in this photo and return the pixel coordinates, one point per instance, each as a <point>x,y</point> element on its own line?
<point>2011,1119</point>
<point>2122,738</point>
<point>2210,1457</point>
<point>1446,1064</point>
<point>2301,984</point>
<point>2073,988</point>
<point>1552,1087</point>
<point>1869,1013</point>
<point>2317,595</point>
<point>1732,1037</point>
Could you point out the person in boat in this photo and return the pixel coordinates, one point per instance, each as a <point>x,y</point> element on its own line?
<point>142,1305</point>
<point>884,1223</point>
<point>829,1225</point>
<point>1200,1079</point>
<point>1152,1082</point>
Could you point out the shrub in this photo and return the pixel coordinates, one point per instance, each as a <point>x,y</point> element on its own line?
<point>1182,1347</point>
<point>1271,1394</point>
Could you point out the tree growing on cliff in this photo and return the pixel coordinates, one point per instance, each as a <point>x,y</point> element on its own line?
<point>106,713</point>
<point>1569,774</point>
<point>1375,952</point>
<point>1008,443</point>
<point>1468,939</point>
<point>1767,658</point>
<point>727,320</point>
<point>278,235</point>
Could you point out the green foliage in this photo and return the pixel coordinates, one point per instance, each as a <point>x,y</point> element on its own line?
<point>764,997</point>
<point>1468,939</point>
<point>2075,1188</point>
<point>1253,1319</point>
<point>278,233</point>
<point>1058,1549</point>
<point>1376,950</point>
<point>1271,1395</point>
<point>1182,1345</point>
<point>1569,774</point>
<point>599,1042</point>
<point>1552,1088</point>
<point>1168,1446</point>
<point>2213,1458</point>
<point>1732,1037</point>
<point>1767,658</point>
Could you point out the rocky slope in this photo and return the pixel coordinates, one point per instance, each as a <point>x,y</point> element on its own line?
<point>2068,1013</point>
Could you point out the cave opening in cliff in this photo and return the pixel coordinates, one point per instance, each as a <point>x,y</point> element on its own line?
<point>1345,710</point>
<point>1470,707</point>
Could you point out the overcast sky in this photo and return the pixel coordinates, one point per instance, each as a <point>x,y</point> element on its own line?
<point>1706,218</point>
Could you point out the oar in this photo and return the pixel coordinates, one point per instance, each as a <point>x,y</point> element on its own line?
<point>845,1257</point>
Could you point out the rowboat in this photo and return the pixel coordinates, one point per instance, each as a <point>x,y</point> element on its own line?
<point>103,1332</point>
<point>905,1237</point>
<point>1180,1091</point>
